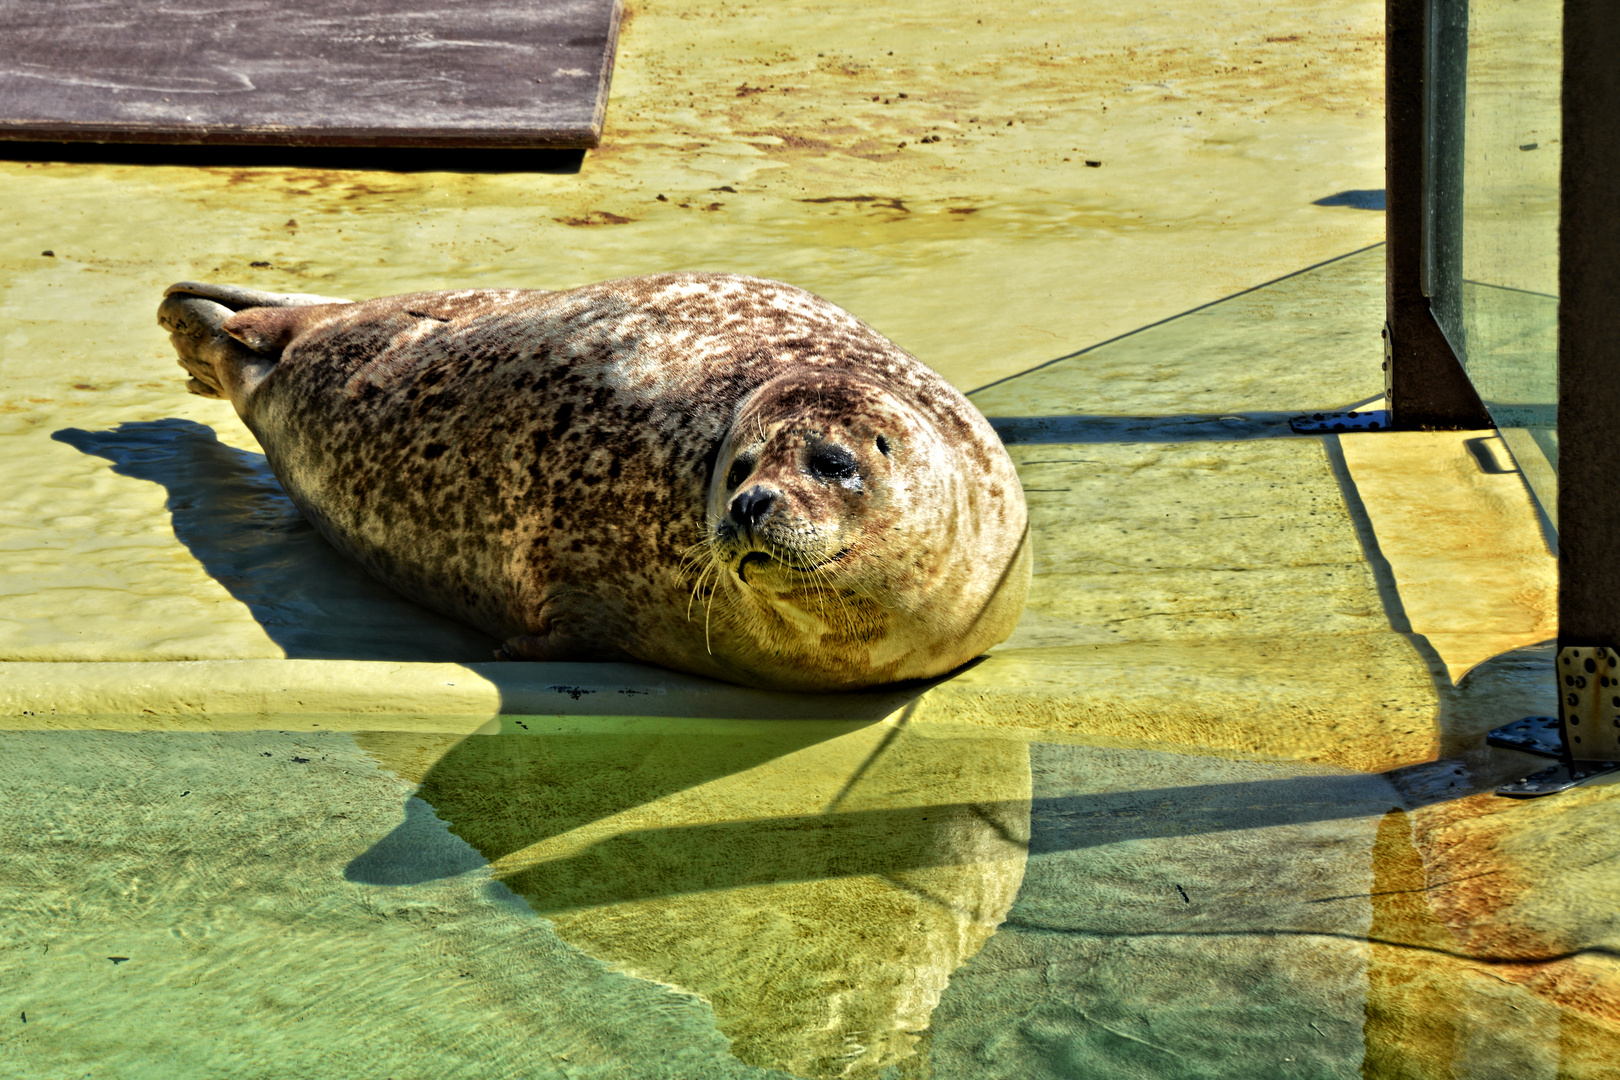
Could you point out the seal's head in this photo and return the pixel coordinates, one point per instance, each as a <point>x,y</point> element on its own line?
<point>857,536</point>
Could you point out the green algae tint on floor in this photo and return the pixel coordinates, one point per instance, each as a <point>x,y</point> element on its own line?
<point>1219,807</point>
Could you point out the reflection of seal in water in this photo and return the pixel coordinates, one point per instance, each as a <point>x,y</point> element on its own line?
<point>714,473</point>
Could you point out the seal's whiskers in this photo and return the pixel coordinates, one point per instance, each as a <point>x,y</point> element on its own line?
<point>697,586</point>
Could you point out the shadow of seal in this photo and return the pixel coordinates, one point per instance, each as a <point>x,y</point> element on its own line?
<point>719,474</point>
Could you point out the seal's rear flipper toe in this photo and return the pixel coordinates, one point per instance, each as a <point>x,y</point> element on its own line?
<point>239,298</point>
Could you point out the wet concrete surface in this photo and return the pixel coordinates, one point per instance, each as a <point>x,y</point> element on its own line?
<point>1220,806</point>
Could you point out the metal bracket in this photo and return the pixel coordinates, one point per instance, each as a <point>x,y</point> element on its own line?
<point>1585,735</point>
<point>1532,735</point>
<point>1322,423</point>
<point>1560,777</point>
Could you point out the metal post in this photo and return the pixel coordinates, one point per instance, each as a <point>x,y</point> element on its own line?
<point>1425,383</point>
<point>1589,332</point>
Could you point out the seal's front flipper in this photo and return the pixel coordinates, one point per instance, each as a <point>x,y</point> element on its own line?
<point>553,648</point>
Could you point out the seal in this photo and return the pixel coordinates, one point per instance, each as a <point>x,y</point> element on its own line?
<point>718,474</point>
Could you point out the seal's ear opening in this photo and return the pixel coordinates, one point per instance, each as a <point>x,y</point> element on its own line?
<point>883,446</point>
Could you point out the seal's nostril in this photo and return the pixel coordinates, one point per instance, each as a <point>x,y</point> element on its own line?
<point>750,507</point>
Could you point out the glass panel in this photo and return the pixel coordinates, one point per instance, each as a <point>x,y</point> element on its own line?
<point>1163,374</point>
<point>1491,256</point>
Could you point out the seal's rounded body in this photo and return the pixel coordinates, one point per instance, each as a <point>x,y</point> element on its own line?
<point>718,474</point>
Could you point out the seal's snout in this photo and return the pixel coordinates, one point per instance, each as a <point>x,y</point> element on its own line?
<point>750,507</point>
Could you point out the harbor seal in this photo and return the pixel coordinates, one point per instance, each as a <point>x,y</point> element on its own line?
<point>719,474</point>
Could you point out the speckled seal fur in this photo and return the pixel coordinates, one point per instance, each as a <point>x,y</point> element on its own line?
<point>718,474</point>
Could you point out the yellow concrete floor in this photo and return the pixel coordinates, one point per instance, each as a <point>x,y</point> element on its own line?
<point>1219,808</point>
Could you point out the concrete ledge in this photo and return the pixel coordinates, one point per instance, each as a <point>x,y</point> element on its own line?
<point>1361,701</point>
<point>382,696</point>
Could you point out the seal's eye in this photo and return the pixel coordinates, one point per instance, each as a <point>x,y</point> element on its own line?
<point>832,463</point>
<point>739,472</point>
<point>883,446</point>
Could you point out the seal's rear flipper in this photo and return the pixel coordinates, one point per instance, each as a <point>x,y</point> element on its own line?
<point>269,330</point>
<point>227,362</point>
<point>197,331</point>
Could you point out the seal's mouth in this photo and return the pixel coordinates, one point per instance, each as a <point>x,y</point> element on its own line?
<point>761,560</point>
<point>753,558</point>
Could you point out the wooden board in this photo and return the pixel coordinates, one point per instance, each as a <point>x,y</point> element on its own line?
<point>487,73</point>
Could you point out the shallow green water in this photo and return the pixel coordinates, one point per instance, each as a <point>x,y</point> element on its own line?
<point>288,908</point>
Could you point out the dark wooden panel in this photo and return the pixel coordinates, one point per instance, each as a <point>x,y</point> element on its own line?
<point>494,73</point>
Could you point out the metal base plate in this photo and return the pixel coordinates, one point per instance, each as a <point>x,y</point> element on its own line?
<point>1560,777</point>
<point>1533,735</point>
<point>1318,423</point>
